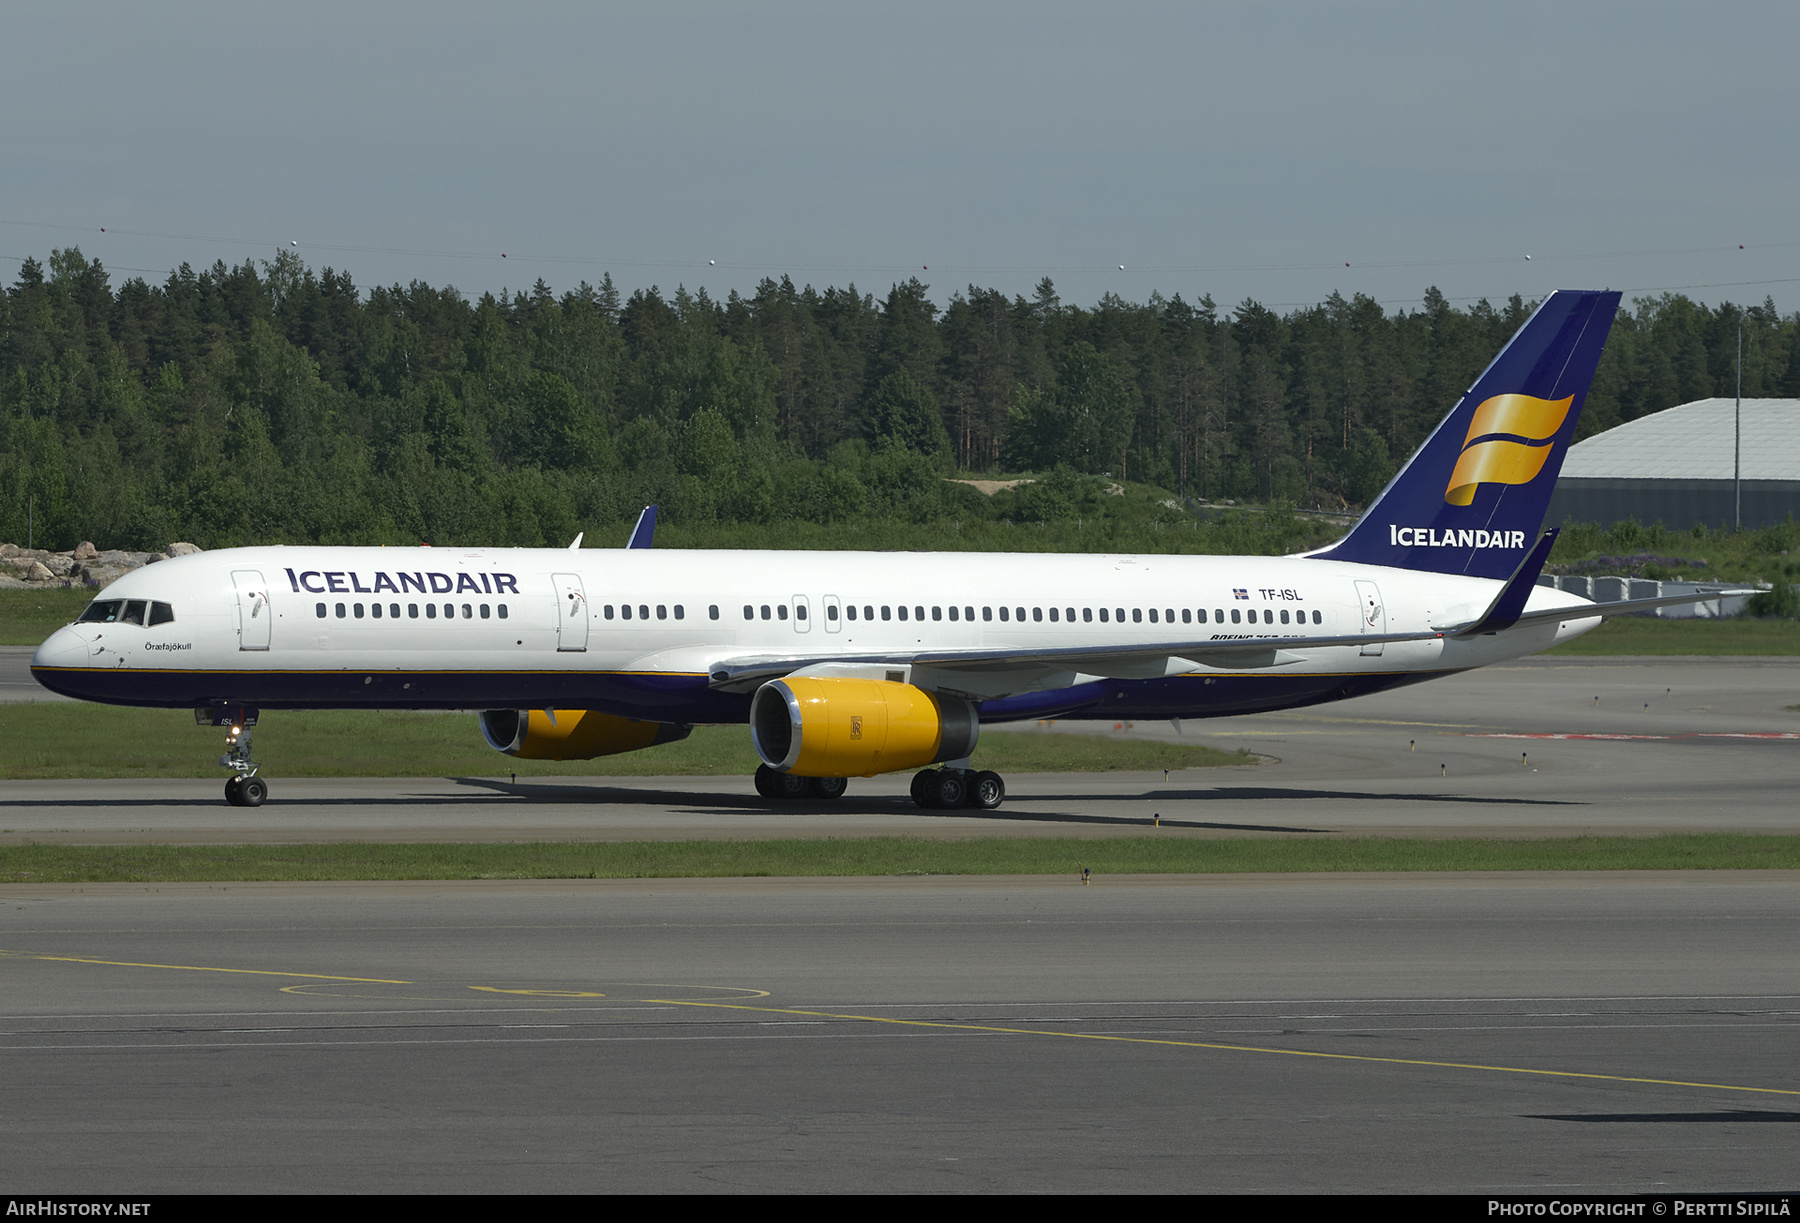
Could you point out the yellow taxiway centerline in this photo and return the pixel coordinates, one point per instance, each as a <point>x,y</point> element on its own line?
<point>966,1027</point>
<point>253,972</point>
<point>1201,1044</point>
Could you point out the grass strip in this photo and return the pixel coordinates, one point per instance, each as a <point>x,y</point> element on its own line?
<point>29,615</point>
<point>1158,851</point>
<point>57,740</point>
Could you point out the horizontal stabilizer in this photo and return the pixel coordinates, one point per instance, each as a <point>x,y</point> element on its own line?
<point>1588,611</point>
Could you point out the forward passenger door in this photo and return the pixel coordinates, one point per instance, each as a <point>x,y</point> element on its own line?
<point>253,609</point>
<point>571,613</point>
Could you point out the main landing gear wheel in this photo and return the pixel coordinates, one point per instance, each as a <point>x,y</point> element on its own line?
<point>828,787</point>
<point>773,784</point>
<point>950,788</point>
<point>766,779</point>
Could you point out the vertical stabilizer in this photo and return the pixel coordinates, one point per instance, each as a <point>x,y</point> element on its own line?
<point>1472,499</point>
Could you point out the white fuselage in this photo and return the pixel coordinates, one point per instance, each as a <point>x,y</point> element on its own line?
<point>640,631</point>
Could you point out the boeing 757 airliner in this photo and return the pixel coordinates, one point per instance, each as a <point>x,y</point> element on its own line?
<point>855,664</point>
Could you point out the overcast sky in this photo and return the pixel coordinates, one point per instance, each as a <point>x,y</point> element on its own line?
<point>1242,150</point>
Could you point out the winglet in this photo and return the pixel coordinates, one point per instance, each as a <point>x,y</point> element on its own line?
<point>644,533</point>
<point>577,544</point>
<point>1509,604</point>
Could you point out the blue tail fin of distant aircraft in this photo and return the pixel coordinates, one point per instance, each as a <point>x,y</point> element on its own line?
<point>644,533</point>
<point>1472,499</point>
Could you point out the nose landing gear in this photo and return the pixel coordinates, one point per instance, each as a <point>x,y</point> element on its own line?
<point>245,789</point>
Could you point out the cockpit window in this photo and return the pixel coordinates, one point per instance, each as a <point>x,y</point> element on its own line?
<point>127,611</point>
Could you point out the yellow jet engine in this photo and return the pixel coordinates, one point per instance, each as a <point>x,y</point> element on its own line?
<point>571,734</point>
<point>840,727</point>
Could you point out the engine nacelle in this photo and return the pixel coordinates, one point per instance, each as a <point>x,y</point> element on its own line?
<point>573,734</point>
<point>831,727</point>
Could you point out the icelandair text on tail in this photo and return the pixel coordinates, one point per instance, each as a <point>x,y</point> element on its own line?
<point>1431,537</point>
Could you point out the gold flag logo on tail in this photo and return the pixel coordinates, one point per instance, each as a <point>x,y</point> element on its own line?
<point>1501,460</point>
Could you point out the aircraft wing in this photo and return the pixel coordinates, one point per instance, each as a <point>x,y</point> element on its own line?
<point>1148,659</point>
<point>742,674</point>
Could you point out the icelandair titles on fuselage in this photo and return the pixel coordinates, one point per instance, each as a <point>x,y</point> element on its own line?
<point>423,583</point>
<point>1431,537</point>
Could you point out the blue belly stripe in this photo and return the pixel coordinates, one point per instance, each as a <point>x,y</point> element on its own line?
<point>665,697</point>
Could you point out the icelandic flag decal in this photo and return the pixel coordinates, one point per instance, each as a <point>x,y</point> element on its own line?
<point>1238,592</point>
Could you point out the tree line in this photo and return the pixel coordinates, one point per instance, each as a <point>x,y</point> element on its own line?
<point>267,402</point>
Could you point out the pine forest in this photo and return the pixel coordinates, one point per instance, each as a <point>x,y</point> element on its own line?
<point>272,403</point>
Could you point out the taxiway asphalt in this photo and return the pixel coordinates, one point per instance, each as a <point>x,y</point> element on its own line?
<point>1503,1033</point>
<point>1497,1034</point>
<point>1541,747</point>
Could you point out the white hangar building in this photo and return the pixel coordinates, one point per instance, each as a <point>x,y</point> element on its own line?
<point>1675,467</point>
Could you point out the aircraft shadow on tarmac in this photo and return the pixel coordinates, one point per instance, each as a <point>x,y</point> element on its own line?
<point>1225,793</point>
<point>852,805</point>
<point>1021,815</point>
<point>1018,812</point>
<point>683,803</point>
<point>1733,1116</point>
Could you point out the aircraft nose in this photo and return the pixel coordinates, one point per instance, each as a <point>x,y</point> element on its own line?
<point>63,648</point>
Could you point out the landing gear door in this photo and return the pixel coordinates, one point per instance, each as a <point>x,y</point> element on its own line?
<point>571,612</point>
<point>253,609</point>
<point>1374,615</point>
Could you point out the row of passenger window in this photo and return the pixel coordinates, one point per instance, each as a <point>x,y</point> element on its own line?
<point>1037,614</point>
<point>355,610</point>
<point>643,611</point>
<point>781,612</point>
<point>778,611</point>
